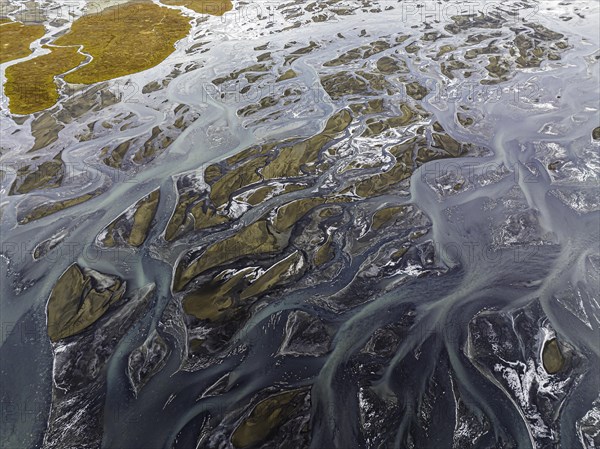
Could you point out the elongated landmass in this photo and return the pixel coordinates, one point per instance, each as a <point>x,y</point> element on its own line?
<point>124,39</point>
<point>131,228</point>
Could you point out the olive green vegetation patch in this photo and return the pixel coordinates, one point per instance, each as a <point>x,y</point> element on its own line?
<point>47,175</point>
<point>30,85</point>
<point>279,273</point>
<point>552,357</point>
<point>215,301</point>
<point>324,253</point>
<point>51,208</point>
<point>124,39</point>
<point>16,39</point>
<point>255,239</point>
<point>78,300</point>
<point>288,75</point>
<point>212,7</point>
<point>385,215</point>
<point>266,417</point>
<point>288,214</point>
<point>133,230</point>
<point>142,218</point>
<point>222,300</point>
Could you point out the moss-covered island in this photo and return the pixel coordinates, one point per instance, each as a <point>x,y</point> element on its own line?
<point>121,40</point>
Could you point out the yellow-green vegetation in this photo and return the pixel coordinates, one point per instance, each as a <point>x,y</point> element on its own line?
<point>233,175</point>
<point>289,162</point>
<point>214,301</point>
<point>253,108</point>
<point>212,7</point>
<point>300,51</point>
<point>402,169</point>
<point>291,159</point>
<point>552,357</point>
<point>246,71</point>
<point>464,119</point>
<point>412,48</point>
<point>179,216</point>
<point>50,208</point>
<point>416,90</point>
<point>267,417</point>
<point>254,239</point>
<point>445,49</point>
<point>221,300</point>
<point>269,191</point>
<point>498,68</point>
<point>224,299</point>
<point>290,213</point>
<point>385,215</point>
<point>135,233</point>
<point>370,107</point>
<point>287,75</point>
<point>30,84</point>
<point>206,216</point>
<point>155,145</point>
<point>363,52</point>
<point>212,173</point>
<point>389,66</point>
<point>203,215</point>
<point>452,64</point>
<point>47,175</point>
<point>124,39</point>
<point>450,145</point>
<point>16,38</point>
<point>244,175</point>
<point>397,255</point>
<point>241,156</point>
<point>324,253</point>
<point>473,53</point>
<point>376,126</point>
<point>115,158</point>
<point>260,194</point>
<point>338,85</point>
<point>417,234</point>
<point>279,273</point>
<point>355,165</point>
<point>78,300</point>
<point>44,129</point>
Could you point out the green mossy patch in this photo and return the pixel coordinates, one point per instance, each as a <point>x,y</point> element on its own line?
<point>124,39</point>
<point>255,239</point>
<point>30,85</point>
<point>16,38</point>
<point>51,208</point>
<point>552,357</point>
<point>266,417</point>
<point>79,299</point>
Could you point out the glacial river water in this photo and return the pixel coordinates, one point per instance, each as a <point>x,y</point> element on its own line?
<point>515,233</point>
